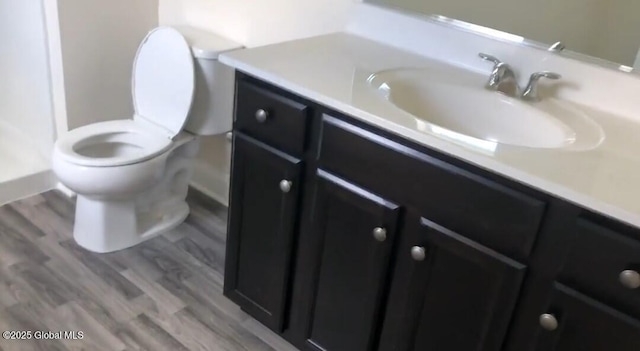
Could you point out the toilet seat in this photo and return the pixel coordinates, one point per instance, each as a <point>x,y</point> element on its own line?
<point>111,143</point>
<point>163,84</point>
<point>163,80</point>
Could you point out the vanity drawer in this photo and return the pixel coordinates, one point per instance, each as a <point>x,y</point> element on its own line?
<point>604,263</point>
<point>271,118</point>
<point>483,210</point>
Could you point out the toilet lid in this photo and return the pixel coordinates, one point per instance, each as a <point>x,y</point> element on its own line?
<point>163,80</point>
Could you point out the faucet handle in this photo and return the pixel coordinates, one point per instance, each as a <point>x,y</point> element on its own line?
<point>556,47</point>
<point>531,91</point>
<point>544,74</point>
<point>496,61</point>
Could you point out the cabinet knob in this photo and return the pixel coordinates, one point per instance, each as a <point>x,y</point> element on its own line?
<point>380,233</point>
<point>418,253</point>
<point>548,322</point>
<point>285,185</point>
<point>261,115</point>
<point>630,279</point>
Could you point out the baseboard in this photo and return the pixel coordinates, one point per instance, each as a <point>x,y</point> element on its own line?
<point>65,191</point>
<point>207,191</point>
<point>211,181</point>
<point>27,186</point>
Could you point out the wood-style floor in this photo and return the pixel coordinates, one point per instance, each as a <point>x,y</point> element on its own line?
<point>164,294</point>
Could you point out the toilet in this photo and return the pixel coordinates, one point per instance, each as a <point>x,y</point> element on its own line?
<point>131,176</point>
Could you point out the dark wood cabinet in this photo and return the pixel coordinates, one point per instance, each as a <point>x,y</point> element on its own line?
<point>610,254</point>
<point>355,231</point>
<point>262,221</point>
<point>275,119</point>
<point>585,324</point>
<point>448,292</point>
<point>484,210</point>
<point>375,243</point>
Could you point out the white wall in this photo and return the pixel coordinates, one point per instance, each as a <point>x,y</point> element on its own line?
<point>251,23</point>
<point>25,96</point>
<point>98,41</point>
<point>258,22</point>
<point>618,36</point>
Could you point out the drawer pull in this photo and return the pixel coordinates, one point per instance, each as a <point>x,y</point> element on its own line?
<point>418,253</point>
<point>630,279</point>
<point>261,115</point>
<point>285,185</point>
<point>380,234</point>
<point>548,322</point>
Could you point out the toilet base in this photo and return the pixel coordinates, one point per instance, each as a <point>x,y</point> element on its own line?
<point>107,223</point>
<point>107,226</point>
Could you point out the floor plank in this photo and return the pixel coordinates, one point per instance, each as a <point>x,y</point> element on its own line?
<point>167,301</point>
<point>7,298</point>
<point>95,335</point>
<point>143,334</point>
<point>43,217</point>
<point>15,247</point>
<point>164,294</point>
<point>43,280</point>
<point>186,328</point>
<point>103,270</point>
<point>15,220</point>
<point>24,317</point>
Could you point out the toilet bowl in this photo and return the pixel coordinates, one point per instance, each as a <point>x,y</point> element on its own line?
<point>131,176</point>
<point>110,158</point>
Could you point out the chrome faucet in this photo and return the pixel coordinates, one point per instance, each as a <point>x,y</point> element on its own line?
<point>502,78</point>
<point>558,46</point>
<point>531,91</point>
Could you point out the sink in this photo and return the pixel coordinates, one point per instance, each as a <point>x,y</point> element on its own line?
<point>456,106</point>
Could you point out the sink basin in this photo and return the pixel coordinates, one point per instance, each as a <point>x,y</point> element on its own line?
<point>456,105</point>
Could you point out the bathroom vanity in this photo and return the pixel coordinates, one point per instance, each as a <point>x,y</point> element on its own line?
<point>352,229</point>
<point>343,236</point>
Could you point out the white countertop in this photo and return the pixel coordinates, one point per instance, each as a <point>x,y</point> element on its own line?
<point>332,71</point>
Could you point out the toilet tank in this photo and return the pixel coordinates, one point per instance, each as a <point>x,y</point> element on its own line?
<point>212,108</point>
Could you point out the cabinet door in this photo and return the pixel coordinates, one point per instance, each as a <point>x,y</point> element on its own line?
<point>355,231</point>
<point>448,292</point>
<point>575,322</point>
<point>262,220</point>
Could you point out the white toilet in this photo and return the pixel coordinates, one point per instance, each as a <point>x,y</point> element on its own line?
<point>131,176</point>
